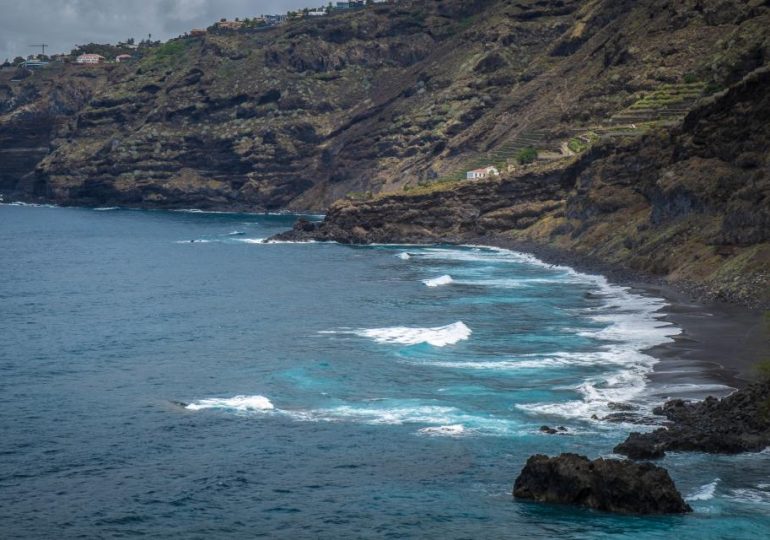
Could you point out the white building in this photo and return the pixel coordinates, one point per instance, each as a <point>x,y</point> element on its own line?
<point>478,174</point>
<point>90,59</point>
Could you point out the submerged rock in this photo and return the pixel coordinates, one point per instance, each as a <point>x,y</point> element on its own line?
<point>737,423</point>
<point>603,484</point>
<point>553,431</point>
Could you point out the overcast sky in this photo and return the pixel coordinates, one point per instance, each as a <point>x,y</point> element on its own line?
<point>66,23</point>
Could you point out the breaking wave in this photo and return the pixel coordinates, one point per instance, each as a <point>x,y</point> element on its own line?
<point>439,336</point>
<point>704,493</point>
<point>438,281</point>
<point>237,403</point>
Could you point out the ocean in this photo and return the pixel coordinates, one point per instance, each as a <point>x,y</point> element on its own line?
<point>170,375</point>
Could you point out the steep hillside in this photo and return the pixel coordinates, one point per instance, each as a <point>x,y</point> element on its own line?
<point>387,98</point>
<point>691,202</point>
<point>34,111</point>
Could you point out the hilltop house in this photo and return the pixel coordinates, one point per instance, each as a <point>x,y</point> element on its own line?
<point>274,20</point>
<point>90,59</point>
<point>352,4</point>
<point>478,174</point>
<point>34,64</point>
<point>229,25</point>
<point>123,58</point>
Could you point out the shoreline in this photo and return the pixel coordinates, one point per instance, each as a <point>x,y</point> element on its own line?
<point>719,341</point>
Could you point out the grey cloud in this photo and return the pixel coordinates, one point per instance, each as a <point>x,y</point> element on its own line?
<point>66,23</point>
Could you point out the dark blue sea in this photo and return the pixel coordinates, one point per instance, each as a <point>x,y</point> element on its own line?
<point>170,375</point>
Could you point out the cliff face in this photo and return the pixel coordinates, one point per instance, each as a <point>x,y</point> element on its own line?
<point>691,202</point>
<point>375,100</point>
<point>33,111</point>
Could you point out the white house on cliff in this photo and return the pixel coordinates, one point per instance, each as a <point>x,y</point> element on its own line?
<point>478,174</point>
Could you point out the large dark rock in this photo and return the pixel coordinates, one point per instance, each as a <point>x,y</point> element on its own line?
<point>603,484</point>
<point>737,423</point>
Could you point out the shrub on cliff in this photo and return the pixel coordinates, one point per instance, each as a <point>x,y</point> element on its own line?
<point>526,155</point>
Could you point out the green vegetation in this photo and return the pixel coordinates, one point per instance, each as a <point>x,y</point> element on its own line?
<point>170,53</point>
<point>360,195</point>
<point>170,50</point>
<point>526,155</point>
<point>577,145</point>
<point>669,94</point>
<point>107,50</point>
<point>712,88</point>
<point>690,78</point>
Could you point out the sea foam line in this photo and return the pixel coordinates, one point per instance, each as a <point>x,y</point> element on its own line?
<point>434,419</point>
<point>631,325</point>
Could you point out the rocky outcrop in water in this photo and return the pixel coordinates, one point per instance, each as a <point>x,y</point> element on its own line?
<point>603,484</point>
<point>738,423</point>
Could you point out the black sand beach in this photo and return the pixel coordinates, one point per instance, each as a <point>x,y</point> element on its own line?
<point>720,342</point>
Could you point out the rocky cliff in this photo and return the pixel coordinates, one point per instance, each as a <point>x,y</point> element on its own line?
<point>375,100</point>
<point>691,202</point>
<point>735,424</point>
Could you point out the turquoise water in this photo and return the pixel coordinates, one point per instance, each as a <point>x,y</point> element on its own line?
<point>167,374</point>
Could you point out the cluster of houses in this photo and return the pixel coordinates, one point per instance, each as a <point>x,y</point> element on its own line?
<point>224,24</point>
<point>264,21</point>
<point>99,59</point>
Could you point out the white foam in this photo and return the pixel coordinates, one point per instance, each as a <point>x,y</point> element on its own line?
<point>404,256</point>
<point>439,336</point>
<point>236,233</point>
<point>630,324</point>
<point>237,403</point>
<point>30,205</point>
<point>453,430</point>
<point>199,211</point>
<point>265,241</point>
<point>436,419</point>
<point>390,414</point>
<point>438,281</point>
<point>751,496</point>
<point>704,493</point>
<point>439,420</point>
<point>251,240</point>
<point>197,241</point>
<point>610,357</point>
<point>292,242</point>
<point>106,208</point>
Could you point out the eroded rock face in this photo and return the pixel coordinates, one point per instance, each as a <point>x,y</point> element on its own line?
<point>737,423</point>
<point>609,485</point>
<point>374,100</point>
<point>690,203</point>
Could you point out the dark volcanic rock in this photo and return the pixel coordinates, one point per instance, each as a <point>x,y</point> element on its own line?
<point>737,423</point>
<point>602,484</point>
